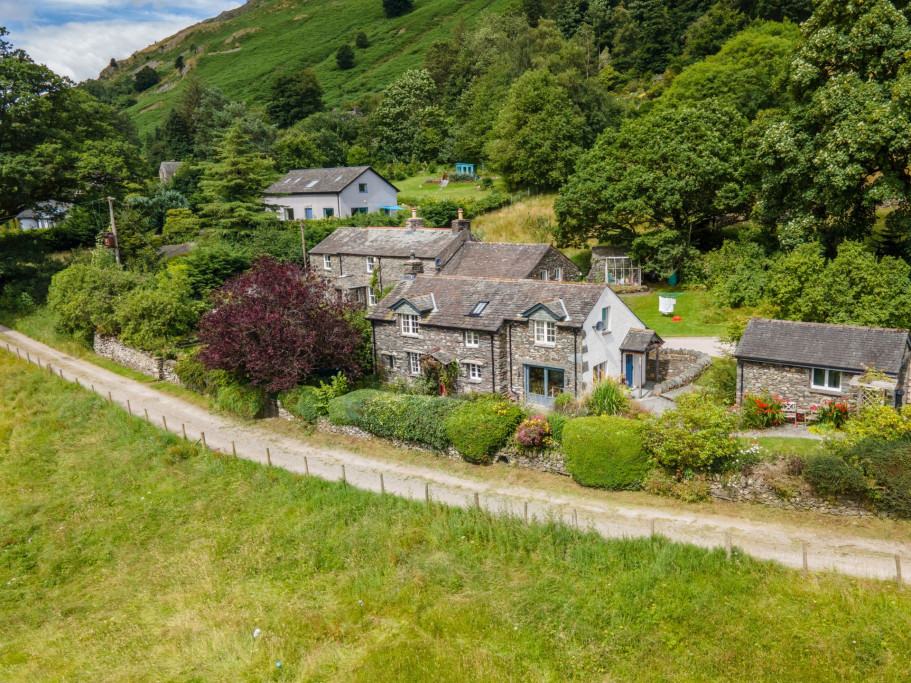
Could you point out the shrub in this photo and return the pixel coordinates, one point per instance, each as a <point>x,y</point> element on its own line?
<point>303,403</point>
<point>194,376</point>
<point>606,452</point>
<point>479,428</point>
<point>835,413</point>
<point>721,379</point>
<point>346,410</point>
<point>830,475</point>
<point>246,402</point>
<point>888,469</point>
<point>694,489</point>
<point>338,386</point>
<point>420,419</point>
<point>696,436</point>
<point>557,422</point>
<point>608,397</point>
<point>761,412</point>
<point>534,433</point>
<point>876,422</point>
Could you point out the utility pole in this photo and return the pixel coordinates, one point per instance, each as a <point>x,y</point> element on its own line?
<point>114,230</point>
<point>303,243</point>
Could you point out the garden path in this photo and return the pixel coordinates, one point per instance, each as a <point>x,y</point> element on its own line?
<point>816,547</point>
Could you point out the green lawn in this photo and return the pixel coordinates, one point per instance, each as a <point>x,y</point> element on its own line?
<point>784,445</point>
<point>698,317</point>
<point>125,555</point>
<point>415,189</point>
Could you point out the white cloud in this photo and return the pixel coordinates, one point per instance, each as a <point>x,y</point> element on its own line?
<point>14,10</point>
<point>81,50</point>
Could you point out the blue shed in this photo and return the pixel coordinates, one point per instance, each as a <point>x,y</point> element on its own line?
<point>465,169</point>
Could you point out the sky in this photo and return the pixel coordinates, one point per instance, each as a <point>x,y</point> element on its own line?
<point>77,38</point>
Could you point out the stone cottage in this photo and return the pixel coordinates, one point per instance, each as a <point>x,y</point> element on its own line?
<point>528,338</point>
<point>356,259</point>
<point>512,261</point>
<point>809,363</point>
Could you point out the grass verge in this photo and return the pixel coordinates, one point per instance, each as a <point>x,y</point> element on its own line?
<point>127,556</point>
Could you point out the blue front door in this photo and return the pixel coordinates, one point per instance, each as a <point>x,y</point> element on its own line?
<point>629,369</point>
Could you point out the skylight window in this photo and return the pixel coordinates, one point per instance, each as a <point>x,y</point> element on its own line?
<point>337,179</point>
<point>478,308</point>
<point>312,183</point>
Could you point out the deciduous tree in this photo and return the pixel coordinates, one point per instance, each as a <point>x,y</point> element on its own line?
<point>294,97</point>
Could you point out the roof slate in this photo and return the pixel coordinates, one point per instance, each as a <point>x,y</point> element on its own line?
<point>639,340</point>
<point>497,259</point>
<point>455,297</point>
<point>427,243</point>
<point>328,180</point>
<point>840,347</point>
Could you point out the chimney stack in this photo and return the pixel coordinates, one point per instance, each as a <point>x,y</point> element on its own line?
<point>414,222</point>
<point>461,223</point>
<point>413,267</point>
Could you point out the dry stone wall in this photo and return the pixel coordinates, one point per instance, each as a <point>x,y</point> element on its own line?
<point>677,368</point>
<point>143,362</point>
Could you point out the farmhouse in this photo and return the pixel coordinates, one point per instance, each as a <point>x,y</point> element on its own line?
<point>808,363</point>
<point>511,261</point>
<point>528,338</point>
<point>326,192</point>
<point>362,260</point>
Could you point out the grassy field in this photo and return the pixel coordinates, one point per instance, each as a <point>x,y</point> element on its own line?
<point>415,189</point>
<point>698,316</point>
<point>125,556</point>
<point>241,53</point>
<point>511,223</point>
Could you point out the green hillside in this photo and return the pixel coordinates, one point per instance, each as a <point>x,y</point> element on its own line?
<point>239,51</point>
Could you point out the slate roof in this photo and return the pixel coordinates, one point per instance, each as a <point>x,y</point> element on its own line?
<point>839,347</point>
<point>426,243</point>
<point>455,296</point>
<point>167,169</point>
<point>497,259</point>
<point>318,180</point>
<point>46,209</point>
<point>639,340</point>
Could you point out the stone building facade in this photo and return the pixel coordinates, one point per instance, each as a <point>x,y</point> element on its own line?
<point>512,262</point>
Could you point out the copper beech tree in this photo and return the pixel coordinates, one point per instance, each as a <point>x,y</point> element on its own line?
<point>276,325</point>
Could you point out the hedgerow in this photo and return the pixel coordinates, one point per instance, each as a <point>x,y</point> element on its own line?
<point>420,419</point>
<point>346,410</point>
<point>832,476</point>
<point>479,428</point>
<point>606,452</point>
<point>244,401</point>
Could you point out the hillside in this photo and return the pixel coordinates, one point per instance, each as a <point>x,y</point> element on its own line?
<point>239,51</point>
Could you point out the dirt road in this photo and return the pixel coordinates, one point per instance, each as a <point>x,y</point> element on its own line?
<point>815,549</point>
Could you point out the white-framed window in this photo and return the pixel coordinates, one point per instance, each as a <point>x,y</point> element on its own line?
<point>371,297</point>
<point>371,263</point>
<point>410,325</point>
<point>605,319</point>
<point>287,214</point>
<point>414,363</point>
<point>821,378</point>
<point>474,371</point>
<point>545,332</point>
<point>328,213</point>
<point>327,262</point>
<point>472,339</point>
<point>390,362</point>
<point>544,275</point>
<point>558,274</point>
<point>362,188</point>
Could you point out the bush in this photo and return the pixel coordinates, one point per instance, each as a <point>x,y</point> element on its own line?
<point>338,386</point>
<point>608,397</point>
<point>694,437</point>
<point>246,402</point>
<point>695,489</point>
<point>346,410</point>
<point>534,433</point>
<point>721,379</point>
<point>479,428</point>
<point>761,412</point>
<point>874,422</point>
<point>194,376</point>
<point>606,452</point>
<point>888,469</point>
<point>557,422</point>
<point>830,475</point>
<point>303,403</point>
<point>583,261</point>
<point>419,419</point>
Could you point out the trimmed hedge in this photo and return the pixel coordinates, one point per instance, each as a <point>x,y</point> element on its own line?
<point>302,402</point>
<point>420,419</point>
<point>888,465</point>
<point>606,452</point>
<point>247,402</point>
<point>346,410</point>
<point>479,428</point>
<point>832,476</point>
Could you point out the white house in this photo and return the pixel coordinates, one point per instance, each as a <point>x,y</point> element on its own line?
<point>45,215</point>
<point>326,192</point>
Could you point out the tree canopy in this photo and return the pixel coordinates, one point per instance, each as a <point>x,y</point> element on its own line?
<point>294,97</point>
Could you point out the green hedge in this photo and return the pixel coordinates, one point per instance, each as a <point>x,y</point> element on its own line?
<point>606,452</point>
<point>421,419</point>
<point>247,402</point>
<point>832,476</point>
<point>888,466</point>
<point>194,376</point>
<point>557,422</point>
<point>346,410</point>
<point>479,428</point>
<point>302,402</point>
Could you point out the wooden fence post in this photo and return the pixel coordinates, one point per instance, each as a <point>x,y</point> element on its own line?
<point>806,564</point>
<point>233,449</point>
<point>268,457</point>
<point>111,400</point>
<point>727,544</point>
<point>526,512</point>
<point>306,466</point>
<point>344,478</point>
<point>146,412</point>
<point>129,407</point>
<point>477,500</point>
<point>164,422</point>
<point>202,435</point>
<point>183,429</point>
<point>898,570</point>
<point>382,484</point>
<point>653,526</point>
<point>426,491</point>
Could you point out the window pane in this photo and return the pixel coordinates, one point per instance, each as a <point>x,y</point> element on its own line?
<point>551,332</point>
<point>555,379</point>
<point>536,381</point>
<point>834,379</point>
<point>819,377</point>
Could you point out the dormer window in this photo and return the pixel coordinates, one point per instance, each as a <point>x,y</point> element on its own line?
<point>410,325</point>
<point>558,274</point>
<point>545,333</point>
<point>479,308</point>
<point>544,275</point>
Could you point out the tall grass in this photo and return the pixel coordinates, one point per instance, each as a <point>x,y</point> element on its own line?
<point>125,558</point>
<point>608,397</point>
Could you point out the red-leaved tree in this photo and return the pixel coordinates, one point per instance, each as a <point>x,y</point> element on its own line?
<point>277,324</point>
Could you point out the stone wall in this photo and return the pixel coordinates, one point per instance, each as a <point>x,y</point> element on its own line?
<point>561,355</point>
<point>791,382</point>
<point>553,260</point>
<point>146,363</point>
<point>770,484</point>
<point>677,368</point>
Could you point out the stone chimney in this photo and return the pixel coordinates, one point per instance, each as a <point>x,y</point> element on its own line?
<point>413,267</point>
<point>461,223</point>
<point>414,222</point>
